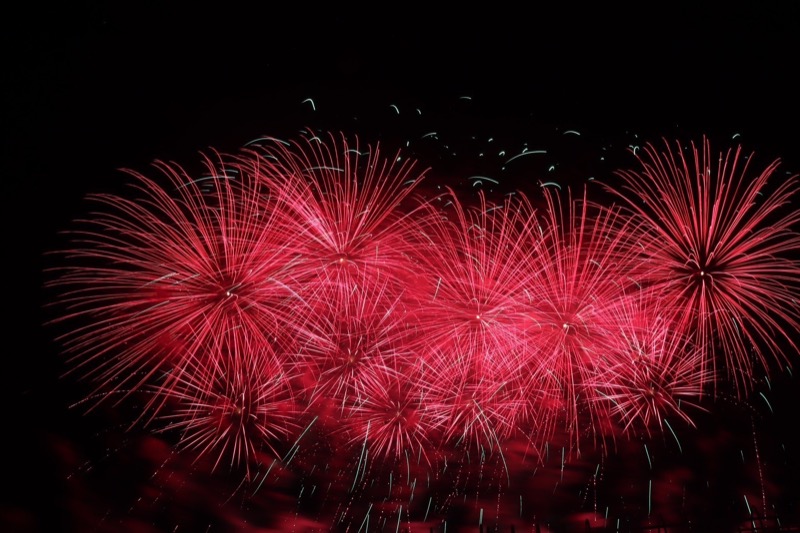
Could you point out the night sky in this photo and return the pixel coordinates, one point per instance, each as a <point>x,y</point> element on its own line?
<point>90,89</point>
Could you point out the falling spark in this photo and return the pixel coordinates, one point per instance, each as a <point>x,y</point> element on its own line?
<point>767,402</point>
<point>680,448</point>
<point>524,153</point>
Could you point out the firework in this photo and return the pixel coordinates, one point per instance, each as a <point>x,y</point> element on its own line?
<point>343,203</point>
<point>349,332</point>
<point>233,404</point>
<point>152,281</point>
<point>584,267</point>
<point>650,370</point>
<point>474,279</point>
<point>722,248</point>
<point>294,314</point>
<point>475,409</point>
<point>392,415</point>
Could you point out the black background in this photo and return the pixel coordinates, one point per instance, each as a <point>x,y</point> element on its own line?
<point>90,88</point>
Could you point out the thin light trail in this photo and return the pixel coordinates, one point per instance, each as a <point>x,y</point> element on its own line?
<point>263,479</point>
<point>680,448</point>
<point>399,515</point>
<point>366,520</point>
<point>767,402</point>
<point>361,457</point>
<point>296,446</point>
<point>530,152</point>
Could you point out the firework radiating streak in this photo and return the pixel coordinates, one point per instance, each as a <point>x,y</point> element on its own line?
<point>723,250</point>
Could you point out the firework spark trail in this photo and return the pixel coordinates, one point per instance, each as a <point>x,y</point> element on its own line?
<point>720,245</point>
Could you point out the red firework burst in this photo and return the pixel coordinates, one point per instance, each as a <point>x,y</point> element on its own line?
<point>351,332</point>
<point>154,280</point>
<point>232,404</point>
<point>722,249</point>
<point>475,273</point>
<point>584,268</point>
<point>344,204</point>
<point>392,415</point>
<point>651,371</point>
<point>293,287</point>
<point>475,407</point>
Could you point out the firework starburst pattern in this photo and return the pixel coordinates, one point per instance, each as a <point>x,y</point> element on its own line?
<point>307,309</point>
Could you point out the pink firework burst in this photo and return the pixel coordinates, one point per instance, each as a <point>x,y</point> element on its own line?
<point>232,405</point>
<point>351,332</point>
<point>650,371</point>
<point>344,204</point>
<point>475,277</point>
<point>154,280</point>
<point>583,270</point>
<point>391,418</point>
<point>475,407</point>
<point>722,249</point>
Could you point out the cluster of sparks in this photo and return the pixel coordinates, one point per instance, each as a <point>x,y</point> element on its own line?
<point>318,284</point>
